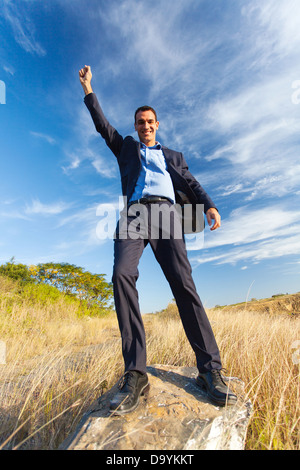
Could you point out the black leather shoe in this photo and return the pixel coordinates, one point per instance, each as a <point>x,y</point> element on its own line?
<point>132,385</point>
<point>216,388</point>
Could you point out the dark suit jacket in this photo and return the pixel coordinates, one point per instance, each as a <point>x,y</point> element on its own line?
<point>127,151</point>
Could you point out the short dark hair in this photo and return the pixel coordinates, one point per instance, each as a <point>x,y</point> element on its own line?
<point>145,108</point>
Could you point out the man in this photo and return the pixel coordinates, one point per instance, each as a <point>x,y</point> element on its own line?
<point>152,174</point>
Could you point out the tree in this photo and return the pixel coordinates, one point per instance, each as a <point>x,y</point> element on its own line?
<point>74,280</point>
<point>18,272</point>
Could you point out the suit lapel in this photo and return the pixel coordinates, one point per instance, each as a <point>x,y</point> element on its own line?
<point>168,155</point>
<point>170,163</point>
<point>138,149</point>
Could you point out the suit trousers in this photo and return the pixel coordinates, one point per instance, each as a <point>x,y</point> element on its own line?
<point>133,234</point>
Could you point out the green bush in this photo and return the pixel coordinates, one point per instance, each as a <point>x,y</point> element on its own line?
<point>41,293</point>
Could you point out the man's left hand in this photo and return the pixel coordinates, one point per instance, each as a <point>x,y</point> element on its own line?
<point>213,214</point>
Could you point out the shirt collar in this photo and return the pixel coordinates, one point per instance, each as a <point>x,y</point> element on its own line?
<point>157,146</point>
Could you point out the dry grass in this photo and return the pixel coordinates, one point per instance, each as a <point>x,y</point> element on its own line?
<point>259,349</point>
<point>58,363</point>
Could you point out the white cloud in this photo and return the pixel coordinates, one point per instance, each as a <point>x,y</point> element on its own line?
<point>86,221</point>
<point>74,162</point>
<point>247,225</point>
<point>276,26</point>
<point>45,137</point>
<point>251,235</point>
<point>23,28</point>
<point>231,189</point>
<point>254,124</point>
<point>13,214</point>
<point>269,249</point>
<point>101,166</point>
<point>37,207</point>
<point>98,162</point>
<point>9,69</point>
<point>162,45</point>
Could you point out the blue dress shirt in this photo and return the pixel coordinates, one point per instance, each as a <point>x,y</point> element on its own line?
<point>154,178</point>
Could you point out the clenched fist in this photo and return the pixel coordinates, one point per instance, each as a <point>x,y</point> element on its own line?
<point>85,77</point>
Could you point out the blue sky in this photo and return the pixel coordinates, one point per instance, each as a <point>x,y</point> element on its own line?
<point>224,78</point>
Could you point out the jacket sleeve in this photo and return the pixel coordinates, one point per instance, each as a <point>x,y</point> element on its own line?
<point>111,136</point>
<point>200,193</point>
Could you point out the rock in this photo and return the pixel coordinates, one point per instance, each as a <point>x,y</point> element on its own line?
<point>176,415</point>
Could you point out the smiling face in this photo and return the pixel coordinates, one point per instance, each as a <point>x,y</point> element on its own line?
<point>146,126</point>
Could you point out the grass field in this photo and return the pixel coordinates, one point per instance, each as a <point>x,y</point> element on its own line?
<point>58,362</point>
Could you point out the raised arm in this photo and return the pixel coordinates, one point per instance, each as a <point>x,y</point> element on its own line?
<point>111,136</point>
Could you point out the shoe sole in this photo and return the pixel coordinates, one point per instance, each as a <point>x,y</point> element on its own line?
<point>144,392</point>
<point>228,401</point>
